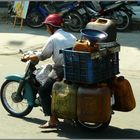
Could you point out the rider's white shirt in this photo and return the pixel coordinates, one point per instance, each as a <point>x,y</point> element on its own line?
<point>59,40</point>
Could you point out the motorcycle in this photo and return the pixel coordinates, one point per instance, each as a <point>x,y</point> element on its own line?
<point>118,11</point>
<point>71,13</point>
<point>124,5</point>
<point>87,106</point>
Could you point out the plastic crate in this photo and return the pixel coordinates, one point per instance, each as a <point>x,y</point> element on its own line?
<point>80,68</point>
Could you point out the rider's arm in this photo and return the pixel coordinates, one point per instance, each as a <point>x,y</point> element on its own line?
<point>47,50</point>
<point>29,57</point>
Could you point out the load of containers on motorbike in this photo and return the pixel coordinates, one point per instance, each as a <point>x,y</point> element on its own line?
<point>90,68</point>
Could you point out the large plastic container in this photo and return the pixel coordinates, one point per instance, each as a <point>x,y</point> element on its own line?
<point>123,93</point>
<point>64,100</point>
<point>106,25</point>
<point>93,104</point>
<point>83,45</point>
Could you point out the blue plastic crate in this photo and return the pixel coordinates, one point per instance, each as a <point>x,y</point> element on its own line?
<point>80,68</point>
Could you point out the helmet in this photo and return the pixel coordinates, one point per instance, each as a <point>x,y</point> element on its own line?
<point>54,20</point>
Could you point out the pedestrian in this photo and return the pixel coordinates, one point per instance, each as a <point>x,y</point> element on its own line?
<point>58,40</point>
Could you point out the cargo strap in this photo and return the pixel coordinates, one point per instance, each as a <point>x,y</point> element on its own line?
<point>105,51</point>
<point>107,44</point>
<point>113,49</point>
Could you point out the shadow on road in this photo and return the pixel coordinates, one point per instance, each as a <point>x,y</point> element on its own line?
<point>111,132</point>
<point>73,132</point>
<point>34,120</point>
<point>15,43</point>
<point>30,119</point>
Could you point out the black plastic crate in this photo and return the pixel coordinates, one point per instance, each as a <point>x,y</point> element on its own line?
<point>79,67</point>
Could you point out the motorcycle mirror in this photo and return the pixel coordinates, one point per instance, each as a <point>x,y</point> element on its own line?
<point>21,51</point>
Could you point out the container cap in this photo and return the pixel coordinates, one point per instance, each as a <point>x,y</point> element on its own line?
<point>94,35</point>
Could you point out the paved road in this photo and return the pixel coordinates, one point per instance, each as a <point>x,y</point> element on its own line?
<point>123,125</point>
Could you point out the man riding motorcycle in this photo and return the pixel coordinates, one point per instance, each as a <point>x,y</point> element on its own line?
<point>58,40</point>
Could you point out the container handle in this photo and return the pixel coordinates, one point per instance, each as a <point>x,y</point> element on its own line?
<point>102,20</point>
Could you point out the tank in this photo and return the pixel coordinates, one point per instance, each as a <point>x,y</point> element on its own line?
<point>106,25</point>
<point>64,98</point>
<point>123,93</point>
<point>93,103</point>
<point>85,46</point>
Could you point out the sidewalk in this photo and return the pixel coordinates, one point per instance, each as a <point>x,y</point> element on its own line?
<point>12,39</point>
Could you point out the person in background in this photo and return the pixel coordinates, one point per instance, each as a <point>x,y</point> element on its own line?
<point>58,40</point>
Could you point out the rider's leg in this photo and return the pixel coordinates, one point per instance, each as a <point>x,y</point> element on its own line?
<point>45,95</point>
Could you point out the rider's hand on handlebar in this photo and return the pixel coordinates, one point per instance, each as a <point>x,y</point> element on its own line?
<point>25,58</point>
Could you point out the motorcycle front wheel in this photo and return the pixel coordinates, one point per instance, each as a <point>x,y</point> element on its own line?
<point>34,19</point>
<point>94,126</point>
<point>123,20</point>
<point>17,107</point>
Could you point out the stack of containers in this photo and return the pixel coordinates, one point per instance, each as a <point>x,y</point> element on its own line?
<point>90,68</point>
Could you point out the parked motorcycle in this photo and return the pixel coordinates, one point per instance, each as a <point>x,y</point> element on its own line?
<point>71,12</point>
<point>119,11</point>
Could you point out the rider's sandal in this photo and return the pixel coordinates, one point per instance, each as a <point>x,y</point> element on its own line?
<point>45,126</point>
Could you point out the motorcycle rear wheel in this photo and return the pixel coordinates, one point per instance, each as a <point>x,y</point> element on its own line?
<point>123,20</point>
<point>94,126</point>
<point>76,23</point>
<point>16,108</point>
